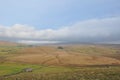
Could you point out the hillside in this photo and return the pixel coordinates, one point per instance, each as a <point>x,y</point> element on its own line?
<point>76,55</point>
<point>68,62</point>
<point>8,43</point>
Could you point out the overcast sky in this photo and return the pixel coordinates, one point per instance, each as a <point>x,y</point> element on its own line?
<point>55,21</point>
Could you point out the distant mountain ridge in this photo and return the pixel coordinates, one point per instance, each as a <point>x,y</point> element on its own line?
<point>9,43</point>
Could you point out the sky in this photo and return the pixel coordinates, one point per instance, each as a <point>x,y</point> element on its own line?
<point>57,21</point>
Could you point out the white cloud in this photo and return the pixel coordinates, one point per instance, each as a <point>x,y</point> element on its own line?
<point>107,29</point>
<point>38,42</point>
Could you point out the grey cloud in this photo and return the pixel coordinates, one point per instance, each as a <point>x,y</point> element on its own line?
<point>94,30</point>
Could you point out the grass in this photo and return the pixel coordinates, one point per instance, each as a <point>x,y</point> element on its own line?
<point>93,50</point>
<point>8,51</point>
<point>5,51</point>
<point>66,73</point>
<point>10,70</point>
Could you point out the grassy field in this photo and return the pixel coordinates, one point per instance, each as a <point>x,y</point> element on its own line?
<point>86,62</point>
<point>14,68</point>
<point>61,73</point>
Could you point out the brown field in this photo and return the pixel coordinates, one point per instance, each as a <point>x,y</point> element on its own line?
<point>77,55</point>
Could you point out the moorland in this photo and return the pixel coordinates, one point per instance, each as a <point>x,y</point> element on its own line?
<point>59,62</point>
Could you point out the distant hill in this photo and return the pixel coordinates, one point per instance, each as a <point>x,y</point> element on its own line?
<point>7,43</point>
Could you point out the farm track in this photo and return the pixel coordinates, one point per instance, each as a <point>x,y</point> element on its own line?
<point>71,52</point>
<point>46,61</point>
<point>56,55</point>
<point>58,58</point>
<point>44,51</point>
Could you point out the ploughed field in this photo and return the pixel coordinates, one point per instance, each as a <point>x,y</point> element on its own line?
<point>67,62</point>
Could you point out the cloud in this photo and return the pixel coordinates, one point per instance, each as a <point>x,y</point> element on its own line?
<point>93,30</point>
<point>38,42</point>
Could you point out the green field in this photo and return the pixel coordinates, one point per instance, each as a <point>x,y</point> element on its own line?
<point>10,71</point>
<point>14,68</point>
